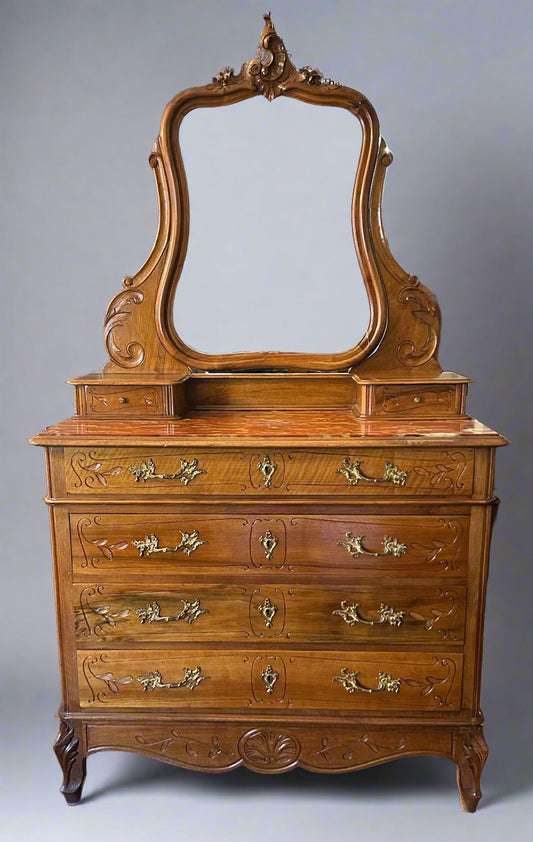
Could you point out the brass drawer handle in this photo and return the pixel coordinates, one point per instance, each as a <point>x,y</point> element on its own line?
<point>152,613</point>
<point>153,681</point>
<point>351,684</point>
<point>186,473</point>
<point>267,467</point>
<point>387,614</point>
<point>352,472</point>
<point>190,541</point>
<point>354,546</point>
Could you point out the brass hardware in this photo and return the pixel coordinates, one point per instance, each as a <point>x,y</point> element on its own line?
<point>270,676</point>
<point>268,610</point>
<point>351,616</point>
<point>153,681</point>
<point>269,542</point>
<point>190,612</point>
<point>188,544</point>
<point>351,684</point>
<point>417,399</point>
<point>123,400</point>
<point>354,546</point>
<point>187,471</point>
<point>353,473</point>
<point>267,467</point>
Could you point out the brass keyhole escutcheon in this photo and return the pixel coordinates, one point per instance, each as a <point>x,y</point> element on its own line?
<point>268,611</point>
<point>270,676</point>
<point>269,542</point>
<point>268,467</point>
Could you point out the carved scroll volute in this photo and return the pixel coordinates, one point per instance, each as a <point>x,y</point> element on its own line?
<point>139,329</point>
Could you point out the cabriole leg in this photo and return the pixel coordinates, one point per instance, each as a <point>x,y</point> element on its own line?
<point>70,753</point>
<point>470,754</point>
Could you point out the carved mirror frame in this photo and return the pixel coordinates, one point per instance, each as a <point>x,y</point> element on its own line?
<point>404,326</point>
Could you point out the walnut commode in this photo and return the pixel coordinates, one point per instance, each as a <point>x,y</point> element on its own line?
<point>271,559</point>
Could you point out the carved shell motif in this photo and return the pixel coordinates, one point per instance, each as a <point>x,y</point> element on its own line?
<point>270,750</point>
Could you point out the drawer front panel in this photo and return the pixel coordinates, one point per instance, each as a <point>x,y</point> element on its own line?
<point>114,614</point>
<point>125,400</point>
<point>202,679</point>
<point>417,401</point>
<point>192,544</point>
<point>203,471</point>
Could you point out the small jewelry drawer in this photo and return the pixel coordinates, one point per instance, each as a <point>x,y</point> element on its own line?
<point>262,679</point>
<point>114,614</point>
<point>284,545</point>
<point>104,400</point>
<point>391,472</point>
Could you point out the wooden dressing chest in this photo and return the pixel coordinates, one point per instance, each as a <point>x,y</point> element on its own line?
<point>271,559</point>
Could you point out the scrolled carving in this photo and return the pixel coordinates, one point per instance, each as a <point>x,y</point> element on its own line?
<point>471,752</point>
<point>447,472</point>
<point>103,613</point>
<point>69,753</point>
<point>438,687</point>
<point>424,324</point>
<point>89,469</point>
<point>119,312</point>
<point>270,750</point>
<point>443,552</point>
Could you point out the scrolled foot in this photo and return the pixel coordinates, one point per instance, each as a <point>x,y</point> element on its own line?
<point>70,755</point>
<point>470,750</point>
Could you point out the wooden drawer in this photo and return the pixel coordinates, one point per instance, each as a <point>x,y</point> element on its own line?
<point>112,401</point>
<point>140,543</point>
<point>392,472</point>
<point>420,401</point>
<point>115,614</point>
<point>203,679</point>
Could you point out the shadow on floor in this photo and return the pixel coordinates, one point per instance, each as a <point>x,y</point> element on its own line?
<point>416,775</point>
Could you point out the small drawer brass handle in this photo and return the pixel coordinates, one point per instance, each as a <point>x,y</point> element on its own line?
<point>190,541</point>
<point>387,614</point>
<point>351,684</point>
<point>154,681</point>
<point>186,473</point>
<point>123,400</point>
<point>354,546</point>
<point>352,472</point>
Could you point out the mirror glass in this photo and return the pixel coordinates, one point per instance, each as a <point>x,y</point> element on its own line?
<point>271,263</point>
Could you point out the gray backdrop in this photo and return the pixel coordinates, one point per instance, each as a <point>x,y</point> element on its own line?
<point>83,88</point>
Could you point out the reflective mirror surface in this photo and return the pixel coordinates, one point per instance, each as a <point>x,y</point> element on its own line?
<point>271,264</point>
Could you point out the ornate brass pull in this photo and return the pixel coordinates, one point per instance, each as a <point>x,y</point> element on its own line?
<point>190,612</point>
<point>268,611</point>
<point>351,684</point>
<point>269,542</point>
<point>354,546</point>
<point>352,472</point>
<point>267,466</point>
<point>350,615</point>
<point>270,676</point>
<point>153,681</point>
<point>186,473</point>
<point>190,542</point>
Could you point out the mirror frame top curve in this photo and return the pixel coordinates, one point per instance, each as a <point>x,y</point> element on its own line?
<point>404,324</point>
